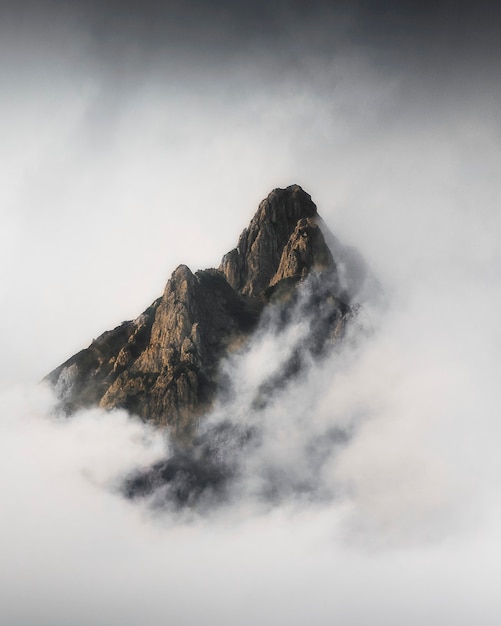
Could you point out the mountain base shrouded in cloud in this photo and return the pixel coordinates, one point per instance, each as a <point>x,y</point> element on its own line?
<point>282,283</point>
<point>364,489</point>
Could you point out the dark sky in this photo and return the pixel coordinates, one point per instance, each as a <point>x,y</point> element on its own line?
<point>441,46</point>
<point>216,30</point>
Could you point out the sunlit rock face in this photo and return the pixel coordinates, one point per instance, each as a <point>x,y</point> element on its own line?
<point>252,265</point>
<point>164,365</point>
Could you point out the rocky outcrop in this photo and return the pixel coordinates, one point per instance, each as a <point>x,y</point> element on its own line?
<point>164,365</point>
<point>174,378</point>
<point>252,265</point>
<point>304,251</point>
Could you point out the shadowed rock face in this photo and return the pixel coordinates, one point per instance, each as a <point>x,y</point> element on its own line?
<point>164,365</point>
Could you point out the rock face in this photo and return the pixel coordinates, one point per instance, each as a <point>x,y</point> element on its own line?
<point>251,267</point>
<point>164,365</point>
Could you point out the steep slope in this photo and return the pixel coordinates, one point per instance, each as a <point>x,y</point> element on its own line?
<point>164,365</point>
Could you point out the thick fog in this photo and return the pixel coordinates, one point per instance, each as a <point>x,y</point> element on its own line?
<point>372,493</point>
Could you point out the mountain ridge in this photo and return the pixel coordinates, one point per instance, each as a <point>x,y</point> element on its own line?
<point>164,366</point>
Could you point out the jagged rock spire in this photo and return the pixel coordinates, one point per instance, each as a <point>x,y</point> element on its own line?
<point>251,266</point>
<point>164,365</point>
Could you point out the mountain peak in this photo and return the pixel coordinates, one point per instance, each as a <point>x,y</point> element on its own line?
<point>165,365</point>
<point>251,266</point>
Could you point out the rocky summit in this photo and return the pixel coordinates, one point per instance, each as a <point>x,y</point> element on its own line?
<point>164,366</point>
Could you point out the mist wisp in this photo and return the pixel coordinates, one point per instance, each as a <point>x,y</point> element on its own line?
<point>254,414</point>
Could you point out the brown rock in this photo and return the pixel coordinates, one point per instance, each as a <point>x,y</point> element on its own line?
<point>250,267</point>
<point>163,366</point>
<point>306,250</point>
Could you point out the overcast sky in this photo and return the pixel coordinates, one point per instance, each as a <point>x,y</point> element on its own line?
<point>137,136</point>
